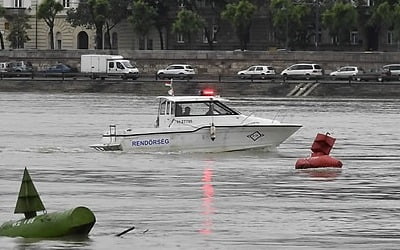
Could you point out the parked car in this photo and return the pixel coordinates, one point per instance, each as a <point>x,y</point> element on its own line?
<point>257,71</point>
<point>3,66</point>
<point>389,72</point>
<point>19,66</point>
<point>60,68</point>
<point>347,72</point>
<point>181,71</point>
<point>303,70</point>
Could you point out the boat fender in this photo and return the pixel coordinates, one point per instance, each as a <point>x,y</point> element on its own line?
<point>213,132</point>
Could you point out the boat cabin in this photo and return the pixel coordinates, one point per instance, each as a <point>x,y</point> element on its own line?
<point>178,110</point>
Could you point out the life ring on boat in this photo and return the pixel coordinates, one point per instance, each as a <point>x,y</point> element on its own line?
<point>322,161</point>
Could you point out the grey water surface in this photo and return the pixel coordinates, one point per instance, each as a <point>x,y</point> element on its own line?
<point>236,200</point>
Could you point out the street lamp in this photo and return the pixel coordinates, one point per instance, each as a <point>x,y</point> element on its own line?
<point>317,14</point>
<point>287,26</point>
<point>36,25</point>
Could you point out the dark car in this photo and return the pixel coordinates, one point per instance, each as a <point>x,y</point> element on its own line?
<point>60,68</point>
<point>19,66</point>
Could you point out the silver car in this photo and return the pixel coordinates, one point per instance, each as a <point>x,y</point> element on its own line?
<point>257,71</point>
<point>303,70</point>
<point>181,71</point>
<point>347,72</point>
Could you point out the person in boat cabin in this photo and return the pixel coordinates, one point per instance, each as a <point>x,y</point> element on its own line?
<point>210,111</point>
<point>187,111</point>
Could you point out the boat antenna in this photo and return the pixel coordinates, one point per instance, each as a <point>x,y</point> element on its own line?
<point>171,88</point>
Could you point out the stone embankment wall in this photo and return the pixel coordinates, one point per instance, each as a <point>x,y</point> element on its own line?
<point>227,89</point>
<point>211,62</point>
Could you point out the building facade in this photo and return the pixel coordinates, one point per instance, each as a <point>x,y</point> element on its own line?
<point>262,35</point>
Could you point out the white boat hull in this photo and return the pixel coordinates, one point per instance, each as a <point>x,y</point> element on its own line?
<point>227,138</point>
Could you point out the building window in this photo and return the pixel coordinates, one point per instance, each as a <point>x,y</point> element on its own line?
<point>114,39</point>
<point>180,38</point>
<point>214,33</point>
<point>334,40</point>
<point>149,44</point>
<point>58,40</point>
<point>18,3</point>
<point>201,3</point>
<point>66,3</point>
<point>354,37</point>
<point>142,43</point>
<point>390,37</point>
<point>82,40</point>
<point>204,36</point>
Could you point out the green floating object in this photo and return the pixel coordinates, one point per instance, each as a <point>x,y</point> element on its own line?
<point>76,221</point>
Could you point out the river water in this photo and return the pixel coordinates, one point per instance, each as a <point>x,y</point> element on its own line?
<point>237,200</point>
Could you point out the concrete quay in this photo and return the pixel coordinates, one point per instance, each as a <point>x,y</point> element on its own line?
<point>273,89</point>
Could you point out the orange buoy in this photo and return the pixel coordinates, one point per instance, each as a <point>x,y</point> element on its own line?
<point>320,158</point>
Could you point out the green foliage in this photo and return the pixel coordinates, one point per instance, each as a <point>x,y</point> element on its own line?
<point>211,13</point>
<point>290,20</point>
<point>396,21</point>
<point>18,35</point>
<point>2,12</point>
<point>98,14</point>
<point>382,15</point>
<point>240,15</point>
<point>187,22</point>
<point>340,20</point>
<point>143,17</point>
<point>48,11</point>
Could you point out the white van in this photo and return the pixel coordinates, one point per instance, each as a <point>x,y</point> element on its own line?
<point>303,70</point>
<point>3,66</point>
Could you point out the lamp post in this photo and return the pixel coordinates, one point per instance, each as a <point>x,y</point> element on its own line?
<point>285,11</point>
<point>36,27</point>
<point>36,24</point>
<point>317,15</point>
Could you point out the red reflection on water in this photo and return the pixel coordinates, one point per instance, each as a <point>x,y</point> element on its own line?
<point>323,173</point>
<point>208,196</point>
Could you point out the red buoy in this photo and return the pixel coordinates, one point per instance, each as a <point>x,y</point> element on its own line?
<point>320,158</point>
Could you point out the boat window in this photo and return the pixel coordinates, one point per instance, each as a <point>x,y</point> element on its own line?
<point>169,109</point>
<point>178,110</point>
<point>162,107</point>
<point>203,108</point>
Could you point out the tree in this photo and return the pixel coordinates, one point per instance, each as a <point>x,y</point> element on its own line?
<point>99,14</point>
<point>211,16</point>
<point>89,14</point>
<point>396,21</point>
<point>340,20</point>
<point>48,11</point>
<point>143,17</point>
<point>373,18</point>
<point>187,22</point>
<point>2,12</point>
<point>118,10</point>
<point>161,19</point>
<point>18,35</point>
<point>290,21</point>
<point>240,15</point>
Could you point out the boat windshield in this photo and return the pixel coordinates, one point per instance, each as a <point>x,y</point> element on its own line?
<point>203,108</point>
